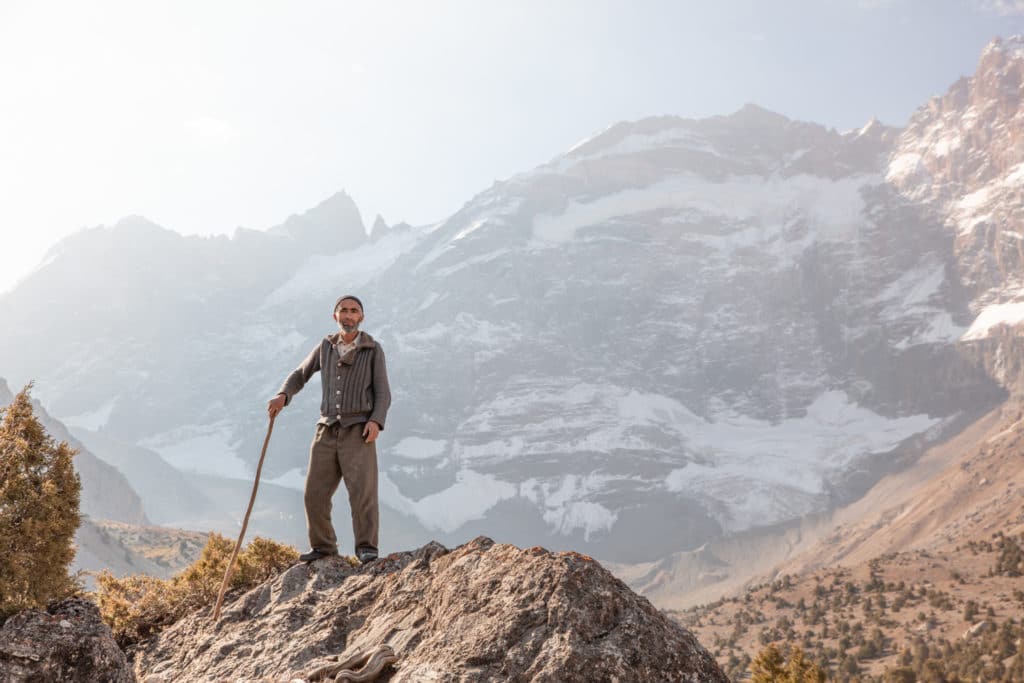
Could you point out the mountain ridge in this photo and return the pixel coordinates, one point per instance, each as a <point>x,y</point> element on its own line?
<point>730,323</point>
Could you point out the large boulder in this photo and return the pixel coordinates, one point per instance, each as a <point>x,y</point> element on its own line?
<point>482,612</point>
<point>68,642</point>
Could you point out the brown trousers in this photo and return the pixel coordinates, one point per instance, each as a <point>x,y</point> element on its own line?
<point>341,453</point>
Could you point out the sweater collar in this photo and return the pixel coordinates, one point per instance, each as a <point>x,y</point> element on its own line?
<point>364,340</point>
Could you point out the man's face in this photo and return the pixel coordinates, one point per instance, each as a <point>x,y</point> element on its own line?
<point>348,315</point>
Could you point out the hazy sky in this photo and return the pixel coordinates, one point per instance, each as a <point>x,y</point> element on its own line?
<point>203,116</point>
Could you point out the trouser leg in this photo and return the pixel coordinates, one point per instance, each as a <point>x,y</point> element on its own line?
<point>358,461</point>
<point>322,480</point>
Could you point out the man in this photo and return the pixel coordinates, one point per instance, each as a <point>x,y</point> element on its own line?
<point>355,403</point>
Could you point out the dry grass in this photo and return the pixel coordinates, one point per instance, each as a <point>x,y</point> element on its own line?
<point>136,607</point>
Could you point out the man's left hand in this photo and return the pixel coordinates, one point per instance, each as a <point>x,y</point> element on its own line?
<point>370,431</point>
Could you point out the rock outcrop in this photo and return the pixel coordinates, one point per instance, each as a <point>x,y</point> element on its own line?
<point>963,153</point>
<point>481,612</point>
<point>68,642</point>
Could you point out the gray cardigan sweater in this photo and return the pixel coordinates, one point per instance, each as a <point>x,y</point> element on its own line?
<point>355,386</point>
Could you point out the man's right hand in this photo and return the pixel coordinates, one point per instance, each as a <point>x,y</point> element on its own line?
<point>275,405</point>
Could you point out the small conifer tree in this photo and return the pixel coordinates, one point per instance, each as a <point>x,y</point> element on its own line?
<point>771,667</point>
<point>39,498</point>
<point>768,666</point>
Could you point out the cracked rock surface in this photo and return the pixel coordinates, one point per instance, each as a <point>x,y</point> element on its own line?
<point>68,642</point>
<point>481,612</point>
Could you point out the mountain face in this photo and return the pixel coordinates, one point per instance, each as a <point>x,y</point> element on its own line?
<point>139,306</point>
<point>679,329</point>
<point>963,154</point>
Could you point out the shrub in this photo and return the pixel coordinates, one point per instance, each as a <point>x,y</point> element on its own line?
<point>768,666</point>
<point>39,498</point>
<point>136,607</point>
<point>1011,557</point>
<point>771,667</point>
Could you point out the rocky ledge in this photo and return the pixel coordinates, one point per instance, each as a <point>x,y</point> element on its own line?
<point>481,612</point>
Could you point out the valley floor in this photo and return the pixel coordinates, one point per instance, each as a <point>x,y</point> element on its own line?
<point>960,611</point>
<point>923,575</point>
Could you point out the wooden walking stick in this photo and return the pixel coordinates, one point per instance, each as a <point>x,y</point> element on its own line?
<point>245,523</point>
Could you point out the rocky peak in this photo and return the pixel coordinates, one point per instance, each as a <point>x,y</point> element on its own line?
<point>752,115</point>
<point>481,612</point>
<point>1000,52</point>
<point>876,130</point>
<point>960,141</point>
<point>334,223</point>
<point>379,226</point>
<point>963,154</point>
<point>139,224</point>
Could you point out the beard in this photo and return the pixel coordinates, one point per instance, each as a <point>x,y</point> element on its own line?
<point>348,329</point>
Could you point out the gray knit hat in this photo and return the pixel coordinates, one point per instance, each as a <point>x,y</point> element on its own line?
<point>348,296</point>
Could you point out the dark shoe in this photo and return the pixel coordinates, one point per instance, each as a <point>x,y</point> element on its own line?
<point>313,554</point>
<point>366,556</point>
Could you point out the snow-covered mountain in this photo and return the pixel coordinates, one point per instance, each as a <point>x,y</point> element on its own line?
<point>963,153</point>
<point>676,330</point>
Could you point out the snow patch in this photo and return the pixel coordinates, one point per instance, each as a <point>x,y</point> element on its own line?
<point>637,143</point>
<point>904,167</point>
<point>833,206</point>
<point>945,144</point>
<point>475,260</point>
<point>485,339</point>
<point>587,139</point>
<point>416,448</point>
<point>940,330</point>
<point>202,449</point>
<point>975,208</point>
<point>741,458</point>
<point>93,420</point>
<point>640,408</point>
<point>585,515</point>
<point>565,506</point>
<point>470,229</point>
<point>347,269</point>
<point>991,316</point>
<point>767,472</point>
<point>469,498</point>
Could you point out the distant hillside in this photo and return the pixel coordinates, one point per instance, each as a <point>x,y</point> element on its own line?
<point>927,565</point>
<point>157,551</point>
<point>115,533</point>
<point>106,494</point>
<point>124,549</point>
